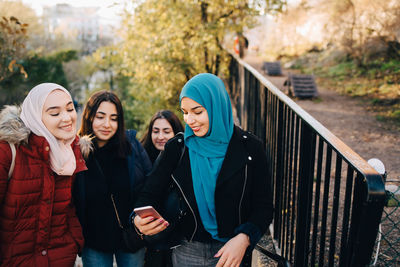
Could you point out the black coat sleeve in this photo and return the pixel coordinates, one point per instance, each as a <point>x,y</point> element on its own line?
<point>261,197</point>
<point>159,179</point>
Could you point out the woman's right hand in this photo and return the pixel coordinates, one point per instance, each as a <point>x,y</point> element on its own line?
<point>150,225</point>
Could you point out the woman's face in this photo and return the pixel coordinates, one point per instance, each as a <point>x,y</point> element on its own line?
<point>59,115</point>
<point>196,116</point>
<point>161,132</point>
<point>105,122</point>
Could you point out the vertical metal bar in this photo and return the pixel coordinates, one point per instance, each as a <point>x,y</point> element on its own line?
<point>307,150</point>
<point>245,92</point>
<point>263,111</point>
<point>316,202</point>
<point>294,193</point>
<point>250,103</point>
<point>279,171</point>
<point>287,179</point>
<point>336,196</point>
<point>291,185</point>
<point>346,216</point>
<point>284,187</point>
<point>327,180</point>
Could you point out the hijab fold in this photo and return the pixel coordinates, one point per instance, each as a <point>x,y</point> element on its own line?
<point>207,153</point>
<point>62,158</point>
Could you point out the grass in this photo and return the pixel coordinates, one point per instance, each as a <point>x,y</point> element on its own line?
<point>377,82</point>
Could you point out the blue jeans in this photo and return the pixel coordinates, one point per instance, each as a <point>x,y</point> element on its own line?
<point>95,258</point>
<point>191,254</point>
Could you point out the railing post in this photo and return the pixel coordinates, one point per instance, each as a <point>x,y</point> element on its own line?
<point>365,219</point>
<point>303,216</point>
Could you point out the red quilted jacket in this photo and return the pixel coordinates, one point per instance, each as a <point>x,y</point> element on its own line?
<point>38,225</point>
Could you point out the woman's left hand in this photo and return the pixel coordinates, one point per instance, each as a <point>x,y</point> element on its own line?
<point>231,254</point>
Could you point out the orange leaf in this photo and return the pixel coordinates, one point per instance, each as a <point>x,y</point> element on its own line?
<point>10,66</point>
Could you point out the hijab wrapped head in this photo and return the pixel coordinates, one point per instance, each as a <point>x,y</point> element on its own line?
<point>62,158</point>
<point>208,152</point>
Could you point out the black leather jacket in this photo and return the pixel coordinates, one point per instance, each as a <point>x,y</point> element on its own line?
<point>243,198</point>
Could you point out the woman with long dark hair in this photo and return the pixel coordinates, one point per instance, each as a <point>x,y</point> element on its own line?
<point>163,126</point>
<point>117,165</point>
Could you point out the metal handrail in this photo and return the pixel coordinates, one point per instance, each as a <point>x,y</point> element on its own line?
<point>352,157</point>
<point>291,135</point>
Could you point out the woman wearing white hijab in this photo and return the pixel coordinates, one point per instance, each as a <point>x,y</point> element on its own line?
<point>38,225</point>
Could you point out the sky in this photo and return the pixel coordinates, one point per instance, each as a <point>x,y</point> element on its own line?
<point>108,12</point>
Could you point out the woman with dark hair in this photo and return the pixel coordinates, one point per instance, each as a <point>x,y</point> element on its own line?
<point>221,172</point>
<point>163,126</point>
<point>117,165</point>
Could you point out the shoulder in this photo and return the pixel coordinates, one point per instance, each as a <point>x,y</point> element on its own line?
<point>173,148</point>
<point>12,128</point>
<point>248,138</point>
<point>131,134</point>
<point>5,151</point>
<point>176,141</point>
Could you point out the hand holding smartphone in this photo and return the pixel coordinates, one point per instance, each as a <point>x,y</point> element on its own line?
<point>146,212</point>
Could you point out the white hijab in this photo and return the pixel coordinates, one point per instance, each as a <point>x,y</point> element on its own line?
<point>62,158</point>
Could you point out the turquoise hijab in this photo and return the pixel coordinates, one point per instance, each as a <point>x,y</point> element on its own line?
<point>208,152</point>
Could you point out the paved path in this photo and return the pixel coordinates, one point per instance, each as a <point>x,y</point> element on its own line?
<point>349,119</point>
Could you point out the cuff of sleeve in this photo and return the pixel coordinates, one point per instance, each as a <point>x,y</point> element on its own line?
<point>131,219</point>
<point>252,231</point>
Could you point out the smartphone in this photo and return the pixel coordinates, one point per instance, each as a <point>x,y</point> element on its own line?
<point>147,211</point>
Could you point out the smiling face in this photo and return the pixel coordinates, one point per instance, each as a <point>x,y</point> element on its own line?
<point>105,122</point>
<point>195,116</point>
<point>161,132</point>
<point>59,115</point>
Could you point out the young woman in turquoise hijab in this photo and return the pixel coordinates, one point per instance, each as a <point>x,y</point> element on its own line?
<point>223,177</point>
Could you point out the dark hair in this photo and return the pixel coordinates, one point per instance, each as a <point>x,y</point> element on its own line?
<point>146,140</point>
<point>89,113</point>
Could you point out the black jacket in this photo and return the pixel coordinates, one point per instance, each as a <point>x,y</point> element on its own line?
<point>122,177</point>
<point>243,198</point>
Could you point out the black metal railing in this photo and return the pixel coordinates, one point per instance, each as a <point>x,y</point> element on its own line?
<point>328,200</point>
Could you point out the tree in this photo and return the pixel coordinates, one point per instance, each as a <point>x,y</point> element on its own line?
<point>166,42</point>
<point>41,69</point>
<point>360,26</point>
<point>13,35</point>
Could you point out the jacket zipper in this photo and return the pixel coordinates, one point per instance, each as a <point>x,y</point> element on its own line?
<point>187,202</point>
<point>241,198</point>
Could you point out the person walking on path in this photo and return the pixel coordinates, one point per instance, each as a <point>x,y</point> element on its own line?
<point>223,176</point>
<point>117,165</point>
<point>163,126</point>
<point>38,224</point>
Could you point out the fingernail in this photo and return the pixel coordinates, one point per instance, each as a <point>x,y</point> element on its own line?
<point>166,224</point>
<point>161,220</point>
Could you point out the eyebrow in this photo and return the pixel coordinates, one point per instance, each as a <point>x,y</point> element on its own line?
<point>57,107</point>
<point>196,107</point>
<point>165,128</point>
<point>103,113</point>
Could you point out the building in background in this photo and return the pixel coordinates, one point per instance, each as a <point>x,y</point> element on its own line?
<point>78,23</point>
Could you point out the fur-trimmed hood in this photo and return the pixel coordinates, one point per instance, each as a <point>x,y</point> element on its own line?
<point>86,145</point>
<point>12,128</point>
